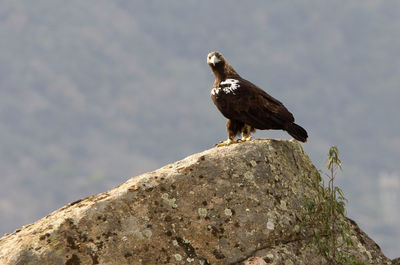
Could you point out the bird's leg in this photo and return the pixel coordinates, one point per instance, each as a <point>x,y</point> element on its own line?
<point>233,128</point>
<point>246,130</point>
<point>230,140</point>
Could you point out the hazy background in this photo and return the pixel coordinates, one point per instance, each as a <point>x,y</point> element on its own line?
<point>94,92</point>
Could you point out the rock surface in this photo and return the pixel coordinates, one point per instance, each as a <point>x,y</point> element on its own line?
<point>229,205</point>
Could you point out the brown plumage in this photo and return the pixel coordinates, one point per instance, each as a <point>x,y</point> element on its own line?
<point>246,106</point>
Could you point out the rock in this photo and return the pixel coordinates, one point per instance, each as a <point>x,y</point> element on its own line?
<point>228,205</point>
<point>255,261</point>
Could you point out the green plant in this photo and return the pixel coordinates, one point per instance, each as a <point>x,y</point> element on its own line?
<point>325,215</point>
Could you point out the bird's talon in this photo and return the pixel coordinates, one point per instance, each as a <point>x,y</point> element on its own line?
<point>227,142</point>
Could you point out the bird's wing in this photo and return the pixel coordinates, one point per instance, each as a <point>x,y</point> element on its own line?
<point>257,108</point>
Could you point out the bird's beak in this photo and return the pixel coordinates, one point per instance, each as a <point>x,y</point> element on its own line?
<point>214,60</point>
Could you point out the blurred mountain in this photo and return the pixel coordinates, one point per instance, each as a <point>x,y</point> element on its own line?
<point>93,92</point>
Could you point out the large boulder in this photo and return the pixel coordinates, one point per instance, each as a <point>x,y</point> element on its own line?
<point>225,205</point>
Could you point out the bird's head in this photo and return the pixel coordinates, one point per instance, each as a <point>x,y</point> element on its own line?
<point>220,67</point>
<point>215,59</point>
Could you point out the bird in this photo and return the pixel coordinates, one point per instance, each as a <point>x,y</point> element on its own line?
<point>246,106</point>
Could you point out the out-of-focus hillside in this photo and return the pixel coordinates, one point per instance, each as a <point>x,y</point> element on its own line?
<point>93,92</point>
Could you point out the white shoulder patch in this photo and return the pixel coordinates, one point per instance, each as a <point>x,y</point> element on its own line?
<point>227,86</point>
<point>215,91</point>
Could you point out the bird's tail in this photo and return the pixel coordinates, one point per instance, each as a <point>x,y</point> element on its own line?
<point>296,131</point>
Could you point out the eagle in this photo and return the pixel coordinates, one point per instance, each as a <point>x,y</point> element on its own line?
<point>246,106</point>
